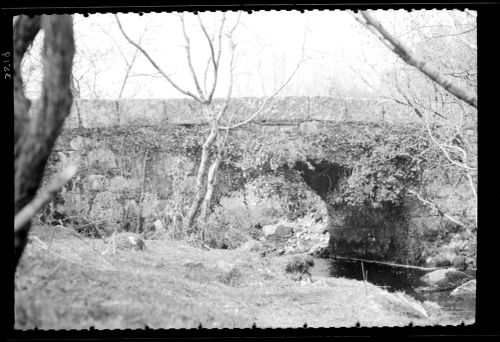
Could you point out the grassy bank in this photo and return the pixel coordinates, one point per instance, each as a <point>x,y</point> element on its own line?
<point>69,284</point>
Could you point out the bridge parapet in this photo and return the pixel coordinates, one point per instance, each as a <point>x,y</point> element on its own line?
<point>107,113</point>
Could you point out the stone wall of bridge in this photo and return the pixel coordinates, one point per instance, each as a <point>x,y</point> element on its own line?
<point>109,113</point>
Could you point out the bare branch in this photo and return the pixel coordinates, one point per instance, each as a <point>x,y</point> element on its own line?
<point>215,60</point>
<point>445,151</point>
<point>129,66</point>
<point>224,108</point>
<point>190,62</point>
<point>436,207</point>
<point>410,58</point>
<point>27,213</point>
<point>157,67</point>
<point>448,35</point>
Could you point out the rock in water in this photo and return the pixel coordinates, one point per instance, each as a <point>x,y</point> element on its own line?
<point>444,279</point>
<point>465,290</point>
<point>129,241</point>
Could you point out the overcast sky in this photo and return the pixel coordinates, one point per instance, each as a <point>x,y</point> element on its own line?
<point>337,49</point>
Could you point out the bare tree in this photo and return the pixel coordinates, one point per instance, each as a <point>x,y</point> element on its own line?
<point>128,60</point>
<point>34,137</point>
<point>449,117</point>
<point>204,94</point>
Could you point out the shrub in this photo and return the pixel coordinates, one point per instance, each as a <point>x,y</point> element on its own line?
<point>225,231</point>
<point>231,278</point>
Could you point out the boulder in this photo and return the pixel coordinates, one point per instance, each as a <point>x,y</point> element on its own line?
<point>158,224</point>
<point>129,241</point>
<point>444,279</point>
<point>251,246</point>
<point>467,289</point>
<point>277,230</point>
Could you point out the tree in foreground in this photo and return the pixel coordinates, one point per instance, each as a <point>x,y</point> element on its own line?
<point>35,135</point>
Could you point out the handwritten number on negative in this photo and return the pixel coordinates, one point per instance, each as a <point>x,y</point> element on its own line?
<point>6,68</point>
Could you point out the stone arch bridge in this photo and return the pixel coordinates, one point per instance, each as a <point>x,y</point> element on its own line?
<point>149,135</point>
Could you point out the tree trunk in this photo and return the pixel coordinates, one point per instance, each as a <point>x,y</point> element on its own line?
<point>201,188</point>
<point>211,181</point>
<point>25,31</point>
<point>35,137</point>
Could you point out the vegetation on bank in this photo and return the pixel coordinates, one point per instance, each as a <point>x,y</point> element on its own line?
<point>68,284</point>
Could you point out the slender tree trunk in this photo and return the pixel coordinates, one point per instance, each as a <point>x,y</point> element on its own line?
<point>202,171</point>
<point>211,181</point>
<point>35,137</point>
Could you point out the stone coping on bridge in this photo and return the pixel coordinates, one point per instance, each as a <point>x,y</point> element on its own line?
<point>90,113</point>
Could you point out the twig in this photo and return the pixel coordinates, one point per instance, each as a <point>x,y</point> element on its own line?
<point>157,67</point>
<point>27,213</point>
<point>435,206</point>
<point>43,244</point>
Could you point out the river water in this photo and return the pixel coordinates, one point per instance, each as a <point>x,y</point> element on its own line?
<point>400,279</point>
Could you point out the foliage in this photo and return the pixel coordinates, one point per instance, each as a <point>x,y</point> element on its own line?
<point>385,160</point>
<point>295,198</point>
<point>227,231</point>
<point>386,175</point>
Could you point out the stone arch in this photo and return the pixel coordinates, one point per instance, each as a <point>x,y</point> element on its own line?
<point>355,231</point>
